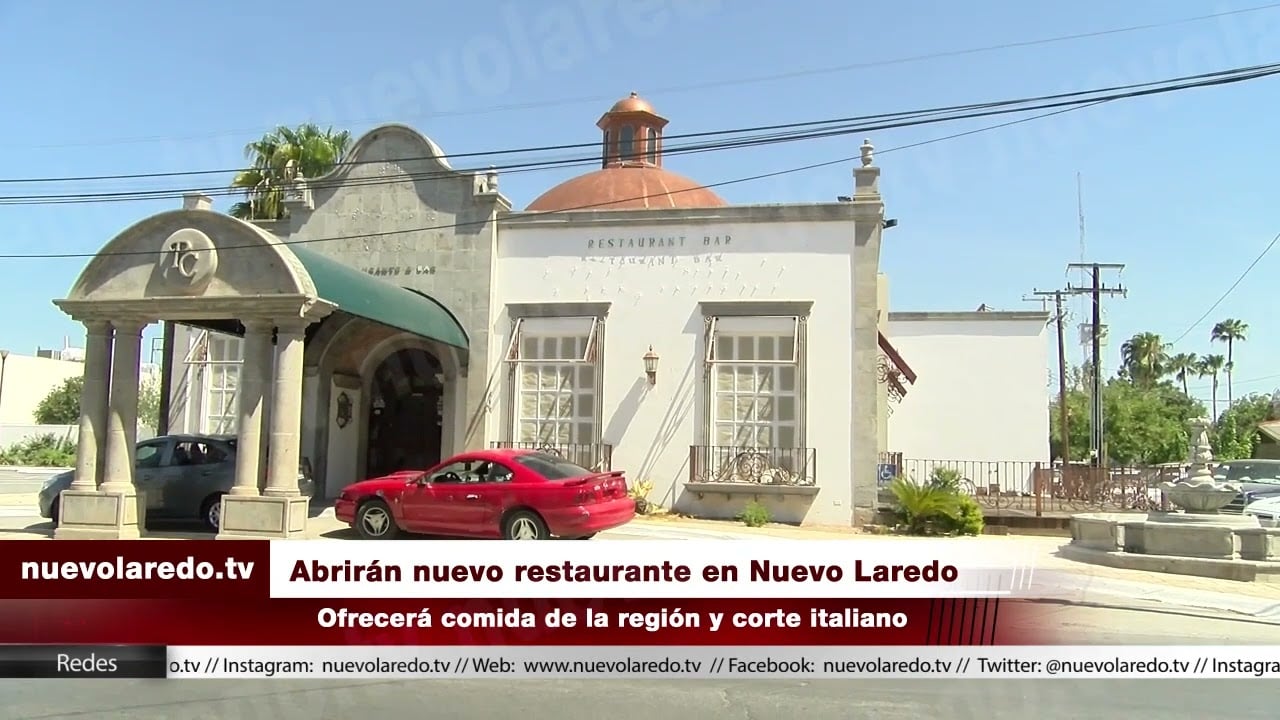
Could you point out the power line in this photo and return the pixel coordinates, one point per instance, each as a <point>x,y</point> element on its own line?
<point>1234,285</point>
<point>1217,77</point>
<point>925,117</point>
<point>723,83</point>
<point>456,225</point>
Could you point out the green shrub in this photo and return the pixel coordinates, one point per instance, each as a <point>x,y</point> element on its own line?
<point>968,519</point>
<point>754,515</point>
<point>40,451</point>
<point>937,507</point>
<point>946,479</point>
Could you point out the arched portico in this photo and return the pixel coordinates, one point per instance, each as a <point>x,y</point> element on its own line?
<point>203,268</point>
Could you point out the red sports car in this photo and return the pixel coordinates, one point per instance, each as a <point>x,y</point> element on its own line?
<point>510,494</point>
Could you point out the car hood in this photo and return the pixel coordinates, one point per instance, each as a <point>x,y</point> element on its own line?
<point>386,482</point>
<point>61,478</point>
<point>1267,505</point>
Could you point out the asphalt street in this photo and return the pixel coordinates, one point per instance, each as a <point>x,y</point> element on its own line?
<point>14,482</point>
<point>716,700</point>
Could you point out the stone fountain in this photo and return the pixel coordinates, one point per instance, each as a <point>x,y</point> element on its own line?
<point>1196,539</point>
<point>1199,497</point>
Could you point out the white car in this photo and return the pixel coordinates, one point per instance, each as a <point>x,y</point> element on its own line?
<point>1267,510</point>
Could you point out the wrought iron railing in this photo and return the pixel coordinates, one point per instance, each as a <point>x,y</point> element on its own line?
<point>758,466</point>
<point>1021,485</point>
<point>593,456</point>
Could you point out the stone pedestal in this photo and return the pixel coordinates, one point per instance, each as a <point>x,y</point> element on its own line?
<point>259,517</point>
<point>97,515</point>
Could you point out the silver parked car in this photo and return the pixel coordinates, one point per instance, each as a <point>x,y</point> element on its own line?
<point>182,477</point>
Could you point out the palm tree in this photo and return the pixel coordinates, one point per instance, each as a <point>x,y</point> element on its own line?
<point>277,159</point>
<point>1210,366</point>
<point>1230,331</point>
<point>1145,358</point>
<point>1183,365</point>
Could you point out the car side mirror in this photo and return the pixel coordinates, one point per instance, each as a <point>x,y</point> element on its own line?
<point>423,480</point>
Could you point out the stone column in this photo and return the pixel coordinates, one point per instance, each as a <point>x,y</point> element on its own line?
<point>93,406</point>
<point>122,417</point>
<point>286,411</point>
<point>255,378</point>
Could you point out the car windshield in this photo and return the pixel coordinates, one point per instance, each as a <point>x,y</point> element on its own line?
<point>551,467</point>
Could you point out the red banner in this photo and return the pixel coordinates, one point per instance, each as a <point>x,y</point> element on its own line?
<point>220,620</point>
<point>101,569</point>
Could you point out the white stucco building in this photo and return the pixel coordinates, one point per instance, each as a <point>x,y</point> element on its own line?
<point>980,401</point>
<point>403,312</point>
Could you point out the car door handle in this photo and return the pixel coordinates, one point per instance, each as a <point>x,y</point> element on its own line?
<point>473,497</point>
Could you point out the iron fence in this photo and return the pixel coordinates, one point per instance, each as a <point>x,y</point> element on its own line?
<point>593,456</point>
<point>758,466</point>
<point>1027,486</point>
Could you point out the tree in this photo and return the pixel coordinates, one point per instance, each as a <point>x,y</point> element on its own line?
<point>280,157</point>
<point>1183,365</point>
<point>1145,358</point>
<point>1142,425</point>
<point>1235,434</point>
<point>1230,331</point>
<point>1210,366</point>
<point>62,405</point>
<point>1147,425</point>
<point>149,404</point>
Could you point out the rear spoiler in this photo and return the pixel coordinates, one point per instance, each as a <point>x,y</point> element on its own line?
<point>596,476</point>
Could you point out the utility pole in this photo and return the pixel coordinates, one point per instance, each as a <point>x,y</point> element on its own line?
<point>1096,291</point>
<point>1059,318</point>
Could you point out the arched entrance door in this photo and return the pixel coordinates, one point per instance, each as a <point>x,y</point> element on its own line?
<point>405,413</point>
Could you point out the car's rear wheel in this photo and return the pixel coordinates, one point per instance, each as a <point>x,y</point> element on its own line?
<point>374,521</point>
<point>211,512</point>
<point>525,525</point>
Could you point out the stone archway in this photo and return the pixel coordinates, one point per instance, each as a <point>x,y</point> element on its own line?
<point>201,267</point>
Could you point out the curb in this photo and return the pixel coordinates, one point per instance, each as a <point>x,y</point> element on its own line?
<point>1084,589</point>
<point>1250,571</point>
<point>26,470</point>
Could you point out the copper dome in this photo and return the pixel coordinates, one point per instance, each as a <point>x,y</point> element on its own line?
<point>630,187</point>
<point>634,103</point>
<point>632,176</point>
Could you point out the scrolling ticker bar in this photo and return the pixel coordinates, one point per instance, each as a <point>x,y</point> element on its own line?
<point>83,661</point>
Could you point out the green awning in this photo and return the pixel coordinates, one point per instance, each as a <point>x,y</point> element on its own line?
<point>371,298</point>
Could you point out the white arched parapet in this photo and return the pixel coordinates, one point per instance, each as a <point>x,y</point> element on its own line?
<point>194,264</point>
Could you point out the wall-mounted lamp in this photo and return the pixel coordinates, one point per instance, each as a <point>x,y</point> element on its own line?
<point>651,365</point>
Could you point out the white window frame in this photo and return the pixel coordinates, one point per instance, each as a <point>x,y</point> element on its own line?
<point>755,327</point>
<point>221,417</point>
<point>557,327</point>
<point>553,326</point>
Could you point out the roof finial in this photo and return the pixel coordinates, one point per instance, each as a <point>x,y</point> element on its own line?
<point>635,94</point>
<point>868,153</point>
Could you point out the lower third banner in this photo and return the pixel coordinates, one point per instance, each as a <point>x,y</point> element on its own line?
<point>694,662</point>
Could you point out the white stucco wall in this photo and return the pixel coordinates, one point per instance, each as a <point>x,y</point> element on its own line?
<point>982,389</point>
<point>655,294</point>
<point>27,381</point>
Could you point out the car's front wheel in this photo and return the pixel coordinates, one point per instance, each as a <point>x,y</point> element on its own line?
<point>525,525</point>
<point>374,521</point>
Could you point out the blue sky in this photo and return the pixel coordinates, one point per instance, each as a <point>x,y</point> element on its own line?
<point>1178,187</point>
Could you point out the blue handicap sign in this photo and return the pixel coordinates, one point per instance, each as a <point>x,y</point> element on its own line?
<point>885,473</point>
